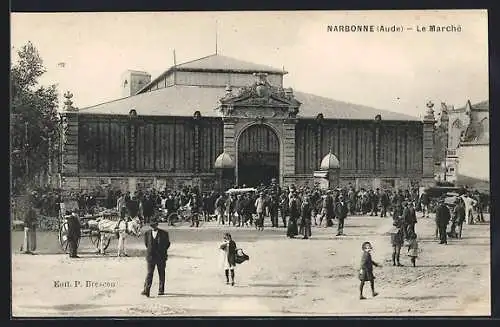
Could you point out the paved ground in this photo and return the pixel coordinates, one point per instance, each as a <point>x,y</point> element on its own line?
<point>283,277</point>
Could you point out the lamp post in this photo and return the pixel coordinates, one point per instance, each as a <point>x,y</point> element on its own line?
<point>446,156</point>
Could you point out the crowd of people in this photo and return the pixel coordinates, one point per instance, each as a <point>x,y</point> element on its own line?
<point>300,209</point>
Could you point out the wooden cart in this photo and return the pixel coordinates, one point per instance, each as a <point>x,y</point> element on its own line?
<point>86,230</point>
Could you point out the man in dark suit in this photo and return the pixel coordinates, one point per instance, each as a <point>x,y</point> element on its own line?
<point>341,214</point>
<point>384,202</point>
<point>442,219</point>
<point>74,234</point>
<point>157,243</point>
<point>458,219</point>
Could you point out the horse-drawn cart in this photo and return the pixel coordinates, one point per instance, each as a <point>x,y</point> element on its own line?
<point>89,228</point>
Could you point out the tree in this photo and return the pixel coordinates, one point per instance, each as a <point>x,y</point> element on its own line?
<point>34,119</point>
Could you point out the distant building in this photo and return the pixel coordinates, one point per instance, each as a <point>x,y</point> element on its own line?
<point>220,113</point>
<point>467,149</point>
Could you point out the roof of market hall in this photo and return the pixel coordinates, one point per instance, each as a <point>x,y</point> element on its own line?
<point>179,100</point>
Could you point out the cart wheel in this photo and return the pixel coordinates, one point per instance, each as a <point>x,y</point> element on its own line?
<point>63,238</point>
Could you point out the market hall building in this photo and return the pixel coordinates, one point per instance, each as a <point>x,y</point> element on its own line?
<point>218,120</point>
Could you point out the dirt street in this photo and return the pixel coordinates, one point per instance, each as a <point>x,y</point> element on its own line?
<point>283,276</point>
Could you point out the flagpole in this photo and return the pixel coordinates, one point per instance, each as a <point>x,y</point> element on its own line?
<point>216,45</point>
<point>175,68</point>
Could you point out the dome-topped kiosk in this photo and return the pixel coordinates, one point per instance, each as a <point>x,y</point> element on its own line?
<point>224,166</point>
<point>328,176</point>
<point>330,161</point>
<point>224,161</point>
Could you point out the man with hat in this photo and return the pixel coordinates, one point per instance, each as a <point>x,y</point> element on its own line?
<point>341,214</point>
<point>442,220</point>
<point>157,243</point>
<point>195,205</point>
<point>458,218</point>
<point>409,218</point>
<point>306,211</point>
<point>374,201</point>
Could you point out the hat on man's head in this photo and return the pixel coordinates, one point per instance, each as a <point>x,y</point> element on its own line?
<point>153,222</point>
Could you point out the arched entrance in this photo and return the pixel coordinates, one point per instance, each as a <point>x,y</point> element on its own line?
<point>258,155</point>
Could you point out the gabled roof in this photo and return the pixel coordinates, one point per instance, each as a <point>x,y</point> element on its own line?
<point>218,63</point>
<point>482,106</point>
<point>181,100</point>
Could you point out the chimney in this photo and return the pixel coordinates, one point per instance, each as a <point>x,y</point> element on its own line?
<point>132,81</point>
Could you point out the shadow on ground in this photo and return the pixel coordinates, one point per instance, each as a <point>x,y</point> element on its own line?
<point>281,285</point>
<point>225,295</point>
<point>421,298</point>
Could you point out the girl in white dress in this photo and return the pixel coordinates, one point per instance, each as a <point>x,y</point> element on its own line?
<point>228,248</point>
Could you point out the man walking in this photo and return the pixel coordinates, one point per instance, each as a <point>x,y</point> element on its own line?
<point>196,206</point>
<point>374,200</point>
<point>157,243</point>
<point>220,208</point>
<point>341,214</point>
<point>384,203</point>
<point>273,209</point>
<point>284,208</point>
<point>306,211</point>
<point>442,220</point>
<point>327,210</point>
<point>458,219</point>
<point>424,201</point>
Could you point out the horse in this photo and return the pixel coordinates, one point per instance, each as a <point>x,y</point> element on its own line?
<point>107,227</point>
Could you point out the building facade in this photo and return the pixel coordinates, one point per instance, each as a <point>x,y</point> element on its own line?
<point>466,131</point>
<point>221,114</point>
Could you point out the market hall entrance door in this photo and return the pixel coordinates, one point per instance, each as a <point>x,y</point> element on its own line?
<point>258,156</point>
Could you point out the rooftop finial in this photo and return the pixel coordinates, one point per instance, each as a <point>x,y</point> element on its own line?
<point>430,111</point>
<point>68,103</point>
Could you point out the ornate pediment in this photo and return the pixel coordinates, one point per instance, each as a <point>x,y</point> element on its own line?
<point>260,99</point>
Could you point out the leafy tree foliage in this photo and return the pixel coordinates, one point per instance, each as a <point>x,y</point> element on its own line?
<point>34,119</point>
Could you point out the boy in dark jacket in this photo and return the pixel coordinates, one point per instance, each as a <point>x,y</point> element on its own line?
<point>366,270</point>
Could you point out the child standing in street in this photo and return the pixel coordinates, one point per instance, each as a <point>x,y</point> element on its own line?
<point>413,248</point>
<point>366,271</point>
<point>229,256</point>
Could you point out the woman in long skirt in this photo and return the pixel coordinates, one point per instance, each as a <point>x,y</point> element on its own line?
<point>292,229</point>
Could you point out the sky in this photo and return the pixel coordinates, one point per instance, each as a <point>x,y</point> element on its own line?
<point>396,71</point>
